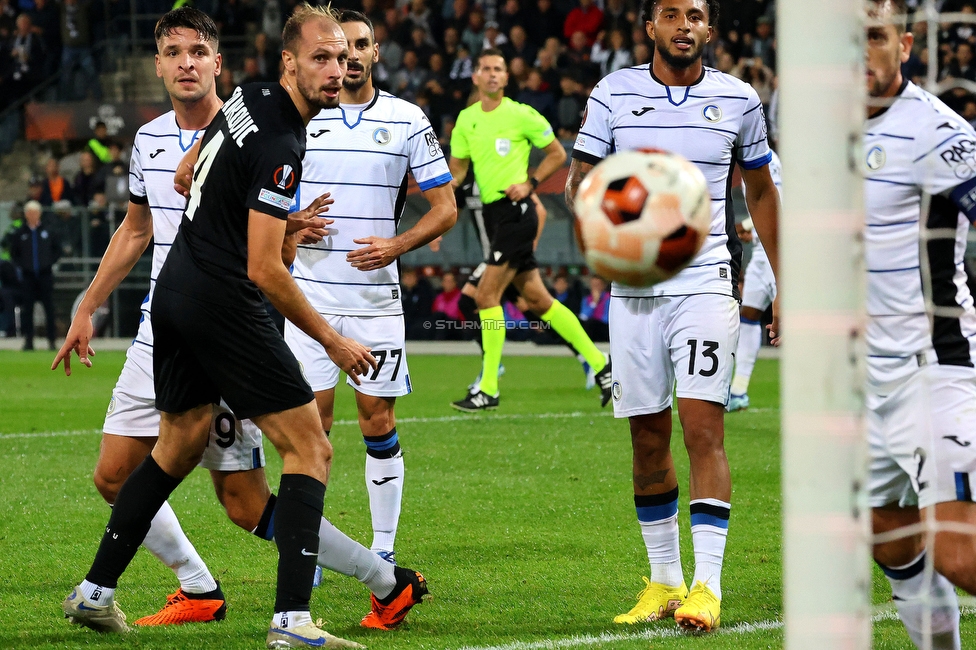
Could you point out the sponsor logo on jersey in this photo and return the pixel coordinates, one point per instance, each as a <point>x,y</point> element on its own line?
<point>580,141</point>
<point>503,146</point>
<point>959,157</point>
<point>277,200</point>
<point>284,177</point>
<point>876,158</point>
<point>156,153</point>
<point>319,132</point>
<point>647,109</point>
<point>433,146</point>
<point>712,113</point>
<point>382,136</point>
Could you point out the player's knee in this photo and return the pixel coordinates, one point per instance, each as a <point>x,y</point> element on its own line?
<point>650,443</point>
<point>955,558</point>
<point>898,553</point>
<point>107,486</point>
<point>484,300</point>
<point>241,512</point>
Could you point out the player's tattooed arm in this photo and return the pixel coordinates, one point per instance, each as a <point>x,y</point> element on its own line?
<point>378,252</point>
<point>577,172</point>
<point>184,171</point>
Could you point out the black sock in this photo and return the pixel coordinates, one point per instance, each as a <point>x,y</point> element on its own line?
<point>469,309</point>
<point>140,498</point>
<point>297,518</point>
<point>265,529</point>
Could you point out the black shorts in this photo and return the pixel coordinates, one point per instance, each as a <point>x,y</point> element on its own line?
<point>512,227</point>
<point>204,352</point>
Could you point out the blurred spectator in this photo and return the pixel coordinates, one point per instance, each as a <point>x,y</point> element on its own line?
<point>757,75</point>
<point>474,32</point>
<point>232,18</point>
<point>34,248</point>
<point>569,110</point>
<point>739,15</point>
<point>568,292</point>
<point>518,46</point>
<point>391,52</point>
<point>86,180</point>
<point>510,15</point>
<point>494,37</point>
<point>961,66</point>
<point>420,16</point>
<point>421,45</point>
<point>410,78</point>
<point>268,57</point>
<point>578,56</point>
<point>251,72</point>
<point>612,52</point>
<point>763,46</point>
<point>962,32</point>
<point>458,17</point>
<point>517,325</point>
<point>46,20</point>
<point>619,14</point>
<point>35,188</point>
<point>398,29</point>
<point>67,224</point>
<point>115,177</point>
<point>9,283</point>
<point>969,110</point>
<point>462,67</point>
<point>518,72</point>
<point>546,64</point>
<point>26,56</point>
<point>545,22</point>
<point>586,18</point>
<point>642,54</point>
<point>99,144</point>
<point>225,85</point>
<point>76,52</point>
<point>594,311</point>
<point>542,100</point>
<point>99,227</point>
<point>445,310</point>
<point>8,19</point>
<point>55,187</point>
<point>417,298</point>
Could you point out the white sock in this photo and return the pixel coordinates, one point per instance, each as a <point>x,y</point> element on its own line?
<point>339,553</point>
<point>286,620</point>
<point>167,541</point>
<point>914,598</point>
<point>709,531</point>
<point>658,518</point>
<point>750,340</point>
<point>97,594</point>
<point>384,482</point>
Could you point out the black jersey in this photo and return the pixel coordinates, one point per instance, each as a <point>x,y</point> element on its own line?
<point>250,159</point>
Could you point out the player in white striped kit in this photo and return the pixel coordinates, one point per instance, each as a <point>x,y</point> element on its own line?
<point>758,293</point>
<point>188,63</point>
<point>350,276</point>
<point>683,331</point>
<point>920,198</point>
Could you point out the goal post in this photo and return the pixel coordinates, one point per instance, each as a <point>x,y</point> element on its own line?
<point>827,572</point>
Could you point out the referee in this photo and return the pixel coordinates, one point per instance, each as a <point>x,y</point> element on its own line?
<point>214,339</point>
<point>498,134</point>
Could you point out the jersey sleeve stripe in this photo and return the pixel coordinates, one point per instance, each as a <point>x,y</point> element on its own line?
<point>724,97</point>
<point>163,207</point>
<point>160,135</point>
<point>585,157</point>
<point>429,128</point>
<point>639,95</point>
<point>600,103</point>
<point>757,106</point>
<point>437,181</point>
<point>951,137</point>
<point>890,135</point>
<point>372,152</point>
<point>347,184</point>
<point>707,162</point>
<point>882,180</point>
<point>429,162</point>
<point>157,169</point>
<point>137,199</point>
<point>753,144</point>
<point>907,268</point>
<point>758,162</point>
<point>595,137</point>
<point>349,284</point>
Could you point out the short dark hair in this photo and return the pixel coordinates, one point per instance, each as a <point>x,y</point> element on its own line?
<point>899,8</point>
<point>492,51</point>
<point>352,16</point>
<point>187,18</point>
<point>647,10</point>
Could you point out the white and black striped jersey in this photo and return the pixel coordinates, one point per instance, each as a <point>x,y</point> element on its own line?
<point>362,155</point>
<point>919,307</point>
<point>159,147</point>
<point>715,123</point>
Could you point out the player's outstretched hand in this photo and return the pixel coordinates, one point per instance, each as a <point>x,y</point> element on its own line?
<point>377,253</point>
<point>78,339</point>
<point>354,358</point>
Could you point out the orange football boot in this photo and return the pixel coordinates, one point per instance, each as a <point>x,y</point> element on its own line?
<point>411,589</point>
<point>184,608</point>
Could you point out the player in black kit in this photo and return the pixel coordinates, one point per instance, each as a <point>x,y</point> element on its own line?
<point>214,339</point>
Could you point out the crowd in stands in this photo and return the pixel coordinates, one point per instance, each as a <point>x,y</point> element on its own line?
<point>431,307</point>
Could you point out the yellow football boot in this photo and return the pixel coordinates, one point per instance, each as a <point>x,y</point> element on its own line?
<point>701,611</point>
<point>655,602</point>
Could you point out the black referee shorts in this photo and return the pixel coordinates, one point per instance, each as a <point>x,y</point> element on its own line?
<point>511,227</point>
<point>204,352</point>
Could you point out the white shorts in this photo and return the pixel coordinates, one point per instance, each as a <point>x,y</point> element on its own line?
<point>656,343</point>
<point>384,335</point>
<point>234,444</point>
<point>922,439</point>
<point>759,285</point>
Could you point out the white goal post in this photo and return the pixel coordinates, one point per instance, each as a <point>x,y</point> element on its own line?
<point>827,572</point>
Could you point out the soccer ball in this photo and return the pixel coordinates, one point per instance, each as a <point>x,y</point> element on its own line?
<point>641,216</point>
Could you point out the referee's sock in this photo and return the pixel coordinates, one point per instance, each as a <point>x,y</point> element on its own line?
<point>568,326</point>
<point>140,498</point>
<point>469,309</point>
<point>492,341</point>
<point>298,513</point>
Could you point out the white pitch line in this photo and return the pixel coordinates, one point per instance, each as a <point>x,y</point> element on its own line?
<point>666,633</point>
<point>420,420</point>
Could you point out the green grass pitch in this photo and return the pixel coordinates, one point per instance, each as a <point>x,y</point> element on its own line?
<point>522,520</point>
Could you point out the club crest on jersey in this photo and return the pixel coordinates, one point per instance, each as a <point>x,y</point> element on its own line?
<point>284,177</point>
<point>111,406</point>
<point>382,136</point>
<point>712,113</point>
<point>503,146</point>
<point>616,391</point>
<point>876,158</point>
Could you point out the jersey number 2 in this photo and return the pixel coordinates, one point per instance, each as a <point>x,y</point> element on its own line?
<point>200,171</point>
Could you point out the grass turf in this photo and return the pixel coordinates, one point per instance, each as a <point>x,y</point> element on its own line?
<point>523,524</point>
